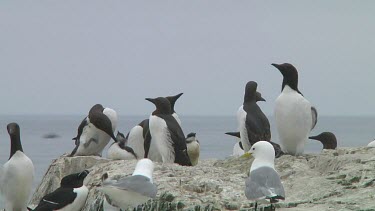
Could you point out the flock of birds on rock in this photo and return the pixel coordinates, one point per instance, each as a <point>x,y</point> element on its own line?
<point>161,139</point>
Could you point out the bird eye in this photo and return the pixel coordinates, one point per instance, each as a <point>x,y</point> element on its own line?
<point>253,148</point>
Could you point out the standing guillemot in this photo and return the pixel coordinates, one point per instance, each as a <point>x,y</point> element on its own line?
<point>139,137</point>
<point>295,117</point>
<point>253,123</point>
<point>167,133</point>
<point>238,148</point>
<point>17,174</point>
<point>150,146</point>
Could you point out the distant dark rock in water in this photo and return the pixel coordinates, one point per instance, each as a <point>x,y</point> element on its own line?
<point>50,136</point>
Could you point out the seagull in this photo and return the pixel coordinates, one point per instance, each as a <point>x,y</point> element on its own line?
<point>263,184</point>
<point>131,191</point>
<point>107,202</point>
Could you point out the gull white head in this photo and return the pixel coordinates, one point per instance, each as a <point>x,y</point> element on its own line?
<point>144,167</point>
<point>263,153</point>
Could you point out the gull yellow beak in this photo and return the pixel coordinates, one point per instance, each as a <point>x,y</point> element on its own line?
<point>247,155</point>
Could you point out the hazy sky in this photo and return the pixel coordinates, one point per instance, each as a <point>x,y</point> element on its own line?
<point>61,57</point>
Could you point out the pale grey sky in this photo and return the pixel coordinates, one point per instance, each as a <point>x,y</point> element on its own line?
<point>61,57</point>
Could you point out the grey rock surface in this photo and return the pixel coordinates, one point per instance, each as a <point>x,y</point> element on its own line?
<point>342,179</point>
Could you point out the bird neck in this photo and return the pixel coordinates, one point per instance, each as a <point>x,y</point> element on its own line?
<point>327,144</point>
<point>172,108</point>
<point>147,172</point>
<point>163,110</point>
<point>261,162</point>
<point>190,139</point>
<point>15,144</point>
<point>288,89</point>
<point>291,83</point>
<point>248,98</point>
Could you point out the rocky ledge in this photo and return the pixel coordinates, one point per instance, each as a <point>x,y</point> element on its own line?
<point>342,179</point>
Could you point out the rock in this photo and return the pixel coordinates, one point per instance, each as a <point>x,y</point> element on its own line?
<point>61,167</point>
<point>341,179</point>
<point>50,136</point>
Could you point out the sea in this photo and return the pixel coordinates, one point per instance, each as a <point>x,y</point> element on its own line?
<point>350,132</point>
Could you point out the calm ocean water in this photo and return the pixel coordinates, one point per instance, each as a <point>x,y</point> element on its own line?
<point>350,131</point>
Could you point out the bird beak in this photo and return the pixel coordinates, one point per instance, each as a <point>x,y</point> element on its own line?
<point>173,99</point>
<point>235,134</point>
<point>178,96</point>
<point>247,155</point>
<point>275,65</point>
<point>151,100</point>
<point>313,137</point>
<point>262,99</point>
<point>278,66</point>
<point>231,133</point>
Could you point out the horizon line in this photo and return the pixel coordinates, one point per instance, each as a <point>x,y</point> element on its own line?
<point>188,115</point>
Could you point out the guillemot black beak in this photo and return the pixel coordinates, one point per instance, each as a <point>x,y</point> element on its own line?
<point>152,100</point>
<point>235,134</point>
<point>314,137</point>
<point>173,99</point>
<point>178,96</point>
<point>279,67</point>
<point>276,65</point>
<point>262,99</point>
